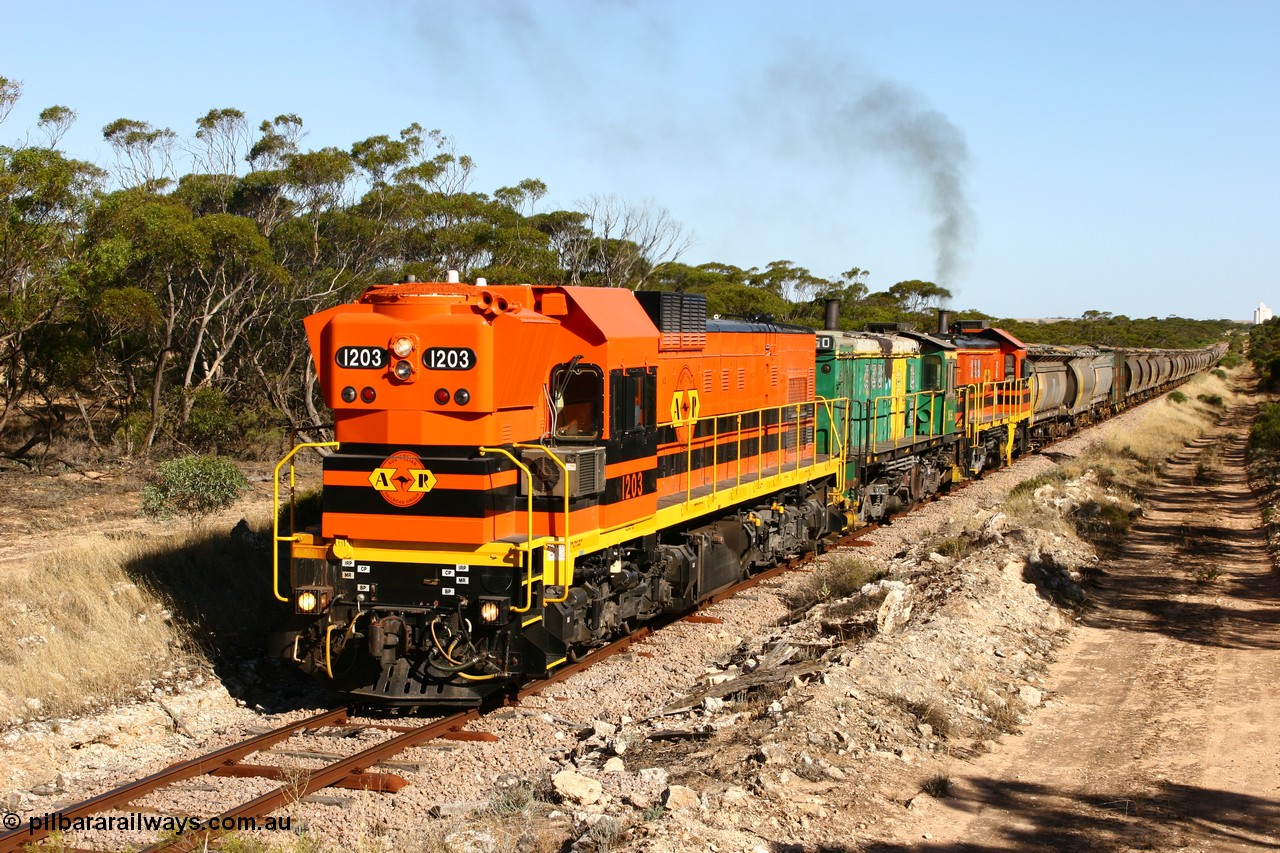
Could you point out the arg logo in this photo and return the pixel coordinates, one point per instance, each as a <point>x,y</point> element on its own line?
<point>401,479</point>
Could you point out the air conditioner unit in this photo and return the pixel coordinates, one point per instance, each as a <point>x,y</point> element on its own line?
<point>583,465</point>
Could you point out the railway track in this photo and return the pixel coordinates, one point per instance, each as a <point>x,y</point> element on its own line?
<point>354,771</point>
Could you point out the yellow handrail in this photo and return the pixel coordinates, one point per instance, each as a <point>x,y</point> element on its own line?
<point>764,428</point>
<point>836,436</point>
<point>976,393</point>
<point>275,516</point>
<point>564,571</point>
<point>894,410</point>
<point>528,545</point>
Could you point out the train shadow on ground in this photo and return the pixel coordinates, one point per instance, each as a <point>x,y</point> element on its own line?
<point>218,586</point>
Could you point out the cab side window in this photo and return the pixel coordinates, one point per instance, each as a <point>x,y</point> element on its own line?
<point>931,367</point>
<point>633,395</point>
<point>579,400</point>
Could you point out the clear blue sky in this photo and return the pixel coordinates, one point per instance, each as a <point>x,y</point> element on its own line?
<point>1117,156</point>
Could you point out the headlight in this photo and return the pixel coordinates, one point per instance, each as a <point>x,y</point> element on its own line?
<point>403,370</point>
<point>402,347</point>
<point>312,599</point>
<point>490,611</point>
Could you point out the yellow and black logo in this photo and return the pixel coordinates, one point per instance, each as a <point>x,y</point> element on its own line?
<point>401,479</point>
<point>685,406</point>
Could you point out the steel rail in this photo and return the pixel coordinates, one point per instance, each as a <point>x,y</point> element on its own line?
<point>17,839</point>
<point>313,781</point>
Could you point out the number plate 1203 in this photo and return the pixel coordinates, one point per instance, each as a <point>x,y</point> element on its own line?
<point>361,358</point>
<point>448,358</point>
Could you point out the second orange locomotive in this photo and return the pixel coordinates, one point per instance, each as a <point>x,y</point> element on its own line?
<point>522,473</point>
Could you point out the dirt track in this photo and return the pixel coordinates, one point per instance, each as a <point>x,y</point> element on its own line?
<point>1163,727</point>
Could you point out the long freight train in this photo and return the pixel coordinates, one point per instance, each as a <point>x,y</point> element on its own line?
<point>523,473</point>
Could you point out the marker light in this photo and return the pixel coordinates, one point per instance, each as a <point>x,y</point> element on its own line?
<point>402,347</point>
<point>307,602</point>
<point>442,396</point>
<point>348,394</point>
<point>462,396</point>
<point>368,394</point>
<point>489,611</point>
<point>403,370</point>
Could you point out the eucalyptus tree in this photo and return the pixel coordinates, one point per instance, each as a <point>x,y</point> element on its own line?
<point>918,297</point>
<point>623,244</point>
<point>44,198</point>
<point>144,154</point>
<point>146,250</point>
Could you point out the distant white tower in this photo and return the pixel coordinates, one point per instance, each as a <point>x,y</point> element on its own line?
<point>1262,314</point>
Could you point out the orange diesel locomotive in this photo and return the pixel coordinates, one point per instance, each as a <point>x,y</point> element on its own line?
<point>522,473</point>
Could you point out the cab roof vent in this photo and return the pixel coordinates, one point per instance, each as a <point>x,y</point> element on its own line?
<point>681,318</point>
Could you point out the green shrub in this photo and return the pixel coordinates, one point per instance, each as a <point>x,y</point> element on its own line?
<point>245,428</point>
<point>842,576</point>
<point>211,421</point>
<point>1265,434</point>
<point>193,486</point>
<point>1219,372</point>
<point>1232,360</point>
<point>308,506</point>
<point>1214,400</point>
<point>132,432</point>
<point>1028,487</point>
<point>1177,397</point>
<point>954,547</point>
<point>1103,523</point>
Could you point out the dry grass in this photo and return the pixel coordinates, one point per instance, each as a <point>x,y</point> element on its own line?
<point>1209,465</point>
<point>938,787</point>
<point>1005,712</point>
<point>840,576</point>
<point>1106,481</point>
<point>80,626</point>
<point>98,620</point>
<point>954,546</point>
<point>1135,459</point>
<point>932,712</point>
<point>1026,512</point>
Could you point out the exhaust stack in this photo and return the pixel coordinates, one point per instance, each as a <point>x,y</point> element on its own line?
<point>944,321</point>
<point>832,321</point>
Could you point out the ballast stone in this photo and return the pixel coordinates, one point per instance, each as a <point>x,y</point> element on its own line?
<point>574,786</point>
